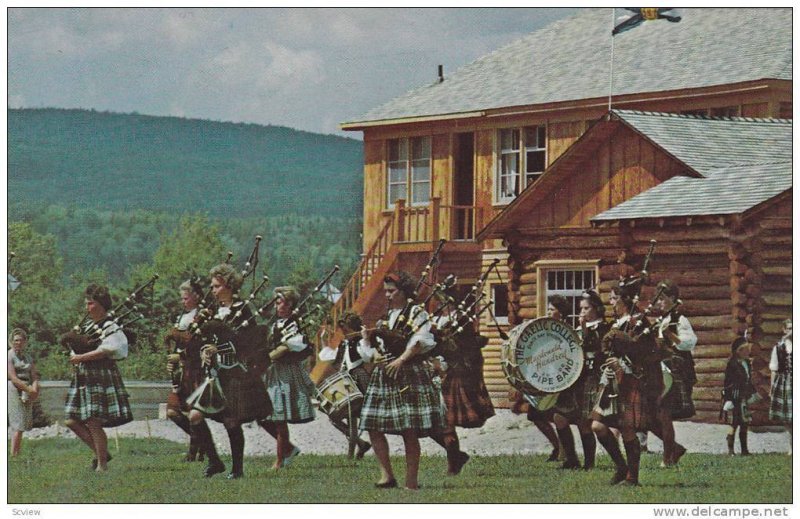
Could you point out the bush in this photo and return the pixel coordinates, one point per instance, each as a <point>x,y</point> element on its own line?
<point>141,365</point>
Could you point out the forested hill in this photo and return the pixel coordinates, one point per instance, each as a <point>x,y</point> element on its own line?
<point>128,161</point>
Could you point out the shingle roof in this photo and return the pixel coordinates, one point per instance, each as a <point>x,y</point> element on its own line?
<point>569,60</point>
<point>705,143</point>
<point>731,190</point>
<point>744,162</point>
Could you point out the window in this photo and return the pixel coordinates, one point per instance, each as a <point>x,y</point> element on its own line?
<point>522,160</point>
<point>409,170</point>
<point>569,279</point>
<point>500,306</point>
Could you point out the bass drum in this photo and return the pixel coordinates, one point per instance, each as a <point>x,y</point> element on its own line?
<point>541,358</point>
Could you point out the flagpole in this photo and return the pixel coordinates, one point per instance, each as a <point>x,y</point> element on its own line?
<point>611,68</point>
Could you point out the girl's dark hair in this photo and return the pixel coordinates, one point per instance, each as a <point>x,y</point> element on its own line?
<point>403,281</point>
<point>99,294</point>
<point>594,300</point>
<point>561,304</point>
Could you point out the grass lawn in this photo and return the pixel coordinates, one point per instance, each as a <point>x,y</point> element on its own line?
<point>150,471</point>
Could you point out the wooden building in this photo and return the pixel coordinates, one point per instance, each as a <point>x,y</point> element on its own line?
<point>448,158</point>
<point>718,207</point>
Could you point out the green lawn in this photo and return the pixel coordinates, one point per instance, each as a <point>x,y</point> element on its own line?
<point>150,471</point>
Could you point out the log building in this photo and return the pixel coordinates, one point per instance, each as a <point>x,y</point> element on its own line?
<point>462,153</point>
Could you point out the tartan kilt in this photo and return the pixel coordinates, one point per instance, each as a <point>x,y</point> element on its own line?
<point>679,399</point>
<point>361,376</point>
<point>418,407</point>
<point>587,393</point>
<point>97,391</point>
<point>290,389</point>
<point>780,407</point>
<point>466,399</point>
<point>631,406</point>
<point>246,397</point>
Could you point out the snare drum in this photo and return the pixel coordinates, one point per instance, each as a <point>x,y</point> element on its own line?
<point>339,396</point>
<point>541,357</point>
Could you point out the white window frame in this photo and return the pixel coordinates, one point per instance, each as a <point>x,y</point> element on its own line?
<point>412,166</point>
<point>516,155</point>
<point>501,319</point>
<point>545,267</point>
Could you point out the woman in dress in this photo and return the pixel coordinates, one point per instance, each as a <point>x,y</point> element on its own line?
<point>780,366</point>
<point>401,397</point>
<point>23,388</point>
<point>97,398</point>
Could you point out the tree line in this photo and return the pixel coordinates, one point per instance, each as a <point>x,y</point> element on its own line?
<point>59,250</point>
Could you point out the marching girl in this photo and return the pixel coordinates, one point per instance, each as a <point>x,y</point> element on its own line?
<point>347,357</point>
<point>591,330</point>
<point>738,393</point>
<point>633,368</point>
<point>289,386</point>
<point>239,373</point>
<point>677,339</point>
<point>780,366</point>
<point>464,391</point>
<point>97,398</point>
<point>558,307</point>
<point>23,388</point>
<point>183,363</point>
<point>401,397</point>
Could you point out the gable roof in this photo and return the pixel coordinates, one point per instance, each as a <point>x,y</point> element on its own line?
<point>727,190</point>
<point>732,164</point>
<point>569,60</point>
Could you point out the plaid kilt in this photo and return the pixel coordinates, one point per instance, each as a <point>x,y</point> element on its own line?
<point>361,376</point>
<point>587,392</point>
<point>466,399</point>
<point>679,398</point>
<point>97,392</point>
<point>419,406</point>
<point>290,389</point>
<point>246,397</point>
<point>631,406</point>
<point>780,407</point>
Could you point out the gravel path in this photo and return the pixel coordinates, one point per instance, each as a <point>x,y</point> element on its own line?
<point>504,434</point>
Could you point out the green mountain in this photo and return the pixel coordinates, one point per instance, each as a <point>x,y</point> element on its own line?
<point>128,161</point>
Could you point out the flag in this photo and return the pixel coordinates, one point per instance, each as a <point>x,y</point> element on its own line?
<point>644,14</point>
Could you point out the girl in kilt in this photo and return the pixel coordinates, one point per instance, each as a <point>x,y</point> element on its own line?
<point>239,373</point>
<point>738,393</point>
<point>289,386</point>
<point>780,366</point>
<point>346,357</point>
<point>401,397</point>
<point>466,398</point>
<point>183,363</point>
<point>97,398</point>
<point>676,339</point>
<point>591,330</point>
<point>631,362</point>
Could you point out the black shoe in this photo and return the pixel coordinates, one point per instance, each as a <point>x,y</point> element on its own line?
<point>362,449</point>
<point>94,461</point>
<point>392,483</point>
<point>553,455</point>
<point>570,465</point>
<point>462,460</point>
<point>619,475</point>
<point>213,468</point>
<point>235,475</point>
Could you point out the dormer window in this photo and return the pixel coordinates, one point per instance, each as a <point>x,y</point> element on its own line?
<point>522,158</point>
<point>409,170</point>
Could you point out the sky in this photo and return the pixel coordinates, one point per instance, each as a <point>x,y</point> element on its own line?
<point>305,68</point>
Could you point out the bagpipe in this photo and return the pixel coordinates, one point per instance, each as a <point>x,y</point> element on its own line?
<point>87,335</point>
<point>304,316</point>
<point>394,336</point>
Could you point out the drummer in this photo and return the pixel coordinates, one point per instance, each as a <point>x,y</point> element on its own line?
<point>346,357</point>
<point>558,307</point>
<point>591,330</point>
